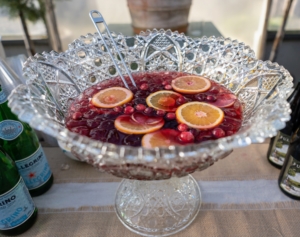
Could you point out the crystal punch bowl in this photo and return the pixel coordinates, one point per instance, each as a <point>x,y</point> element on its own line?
<point>55,79</point>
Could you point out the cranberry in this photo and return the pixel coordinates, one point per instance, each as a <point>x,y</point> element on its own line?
<point>144,86</point>
<point>218,132</point>
<point>164,83</point>
<point>211,98</point>
<point>160,113</point>
<point>148,110</point>
<point>128,110</point>
<point>186,137</point>
<point>90,114</point>
<point>92,123</point>
<point>200,97</point>
<point>132,140</point>
<point>170,116</point>
<point>181,100</point>
<point>140,107</point>
<point>77,116</point>
<point>118,109</point>
<point>99,134</point>
<point>182,127</point>
<point>76,123</point>
<point>229,133</point>
<point>168,87</point>
<point>214,90</point>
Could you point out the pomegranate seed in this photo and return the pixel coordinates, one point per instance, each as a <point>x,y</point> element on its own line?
<point>144,86</point>
<point>148,110</point>
<point>118,109</point>
<point>182,127</point>
<point>128,110</point>
<point>160,113</point>
<point>211,98</point>
<point>200,97</point>
<point>186,137</point>
<point>218,132</point>
<point>77,116</point>
<point>140,107</point>
<point>181,100</point>
<point>171,116</point>
<point>168,87</point>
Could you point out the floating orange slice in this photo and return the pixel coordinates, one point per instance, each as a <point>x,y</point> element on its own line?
<point>191,84</point>
<point>112,97</point>
<point>161,138</point>
<point>199,115</point>
<point>163,100</point>
<point>126,124</point>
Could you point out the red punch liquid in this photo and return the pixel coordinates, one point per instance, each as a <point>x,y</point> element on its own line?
<point>98,123</point>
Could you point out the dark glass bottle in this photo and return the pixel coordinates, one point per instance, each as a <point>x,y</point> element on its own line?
<point>279,144</point>
<point>17,210</point>
<point>19,140</point>
<point>289,178</point>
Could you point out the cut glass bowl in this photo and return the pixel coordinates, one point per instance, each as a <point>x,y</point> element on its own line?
<point>55,79</point>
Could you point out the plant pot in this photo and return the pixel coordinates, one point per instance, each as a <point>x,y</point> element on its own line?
<point>167,14</point>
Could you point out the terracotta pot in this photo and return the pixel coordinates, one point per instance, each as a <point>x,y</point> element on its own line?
<point>166,14</point>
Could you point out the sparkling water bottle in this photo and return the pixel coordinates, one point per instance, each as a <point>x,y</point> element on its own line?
<point>17,210</point>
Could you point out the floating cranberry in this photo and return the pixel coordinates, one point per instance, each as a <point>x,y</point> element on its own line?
<point>160,113</point>
<point>186,137</point>
<point>77,115</point>
<point>182,127</point>
<point>90,114</point>
<point>76,123</point>
<point>168,87</point>
<point>98,134</point>
<point>211,98</point>
<point>164,83</point>
<point>229,133</point>
<point>113,136</point>
<point>144,86</point>
<point>128,110</point>
<point>140,107</point>
<point>218,133</point>
<point>92,123</point>
<point>181,100</point>
<point>118,109</point>
<point>200,97</point>
<point>214,90</point>
<point>148,110</point>
<point>170,116</point>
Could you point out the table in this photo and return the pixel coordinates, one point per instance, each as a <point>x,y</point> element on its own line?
<point>241,198</point>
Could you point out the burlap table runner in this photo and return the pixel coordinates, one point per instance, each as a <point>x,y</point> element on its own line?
<point>240,198</point>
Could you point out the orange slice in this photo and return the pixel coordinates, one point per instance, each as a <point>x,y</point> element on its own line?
<point>161,138</point>
<point>199,115</point>
<point>191,84</point>
<point>163,100</point>
<point>112,97</point>
<point>126,124</point>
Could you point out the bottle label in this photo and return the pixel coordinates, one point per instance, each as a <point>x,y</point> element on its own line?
<point>34,169</point>
<point>10,129</point>
<point>3,97</point>
<point>290,181</point>
<point>16,206</point>
<point>279,149</point>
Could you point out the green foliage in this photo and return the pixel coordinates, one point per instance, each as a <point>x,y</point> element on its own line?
<point>31,10</point>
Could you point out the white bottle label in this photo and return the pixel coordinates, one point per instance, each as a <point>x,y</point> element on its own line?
<point>10,129</point>
<point>16,206</point>
<point>279,149</point>
<point>34,169</point>
<point>290,181</point>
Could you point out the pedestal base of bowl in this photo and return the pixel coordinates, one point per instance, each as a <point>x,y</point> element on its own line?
<point>158,208</point>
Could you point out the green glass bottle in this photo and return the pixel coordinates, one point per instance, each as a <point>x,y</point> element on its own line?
<point>280,143</point>
<point>19,140</point>
<point>289,178</point>
<point>17,210</point>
